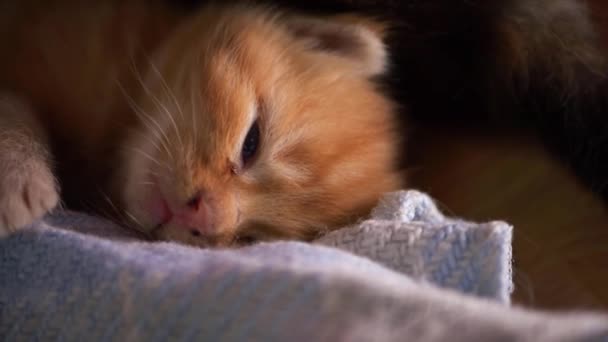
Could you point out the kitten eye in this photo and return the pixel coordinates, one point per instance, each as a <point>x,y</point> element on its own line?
<point>250,145</point>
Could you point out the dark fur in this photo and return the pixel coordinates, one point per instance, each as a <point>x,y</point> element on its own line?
<point>521,63</point>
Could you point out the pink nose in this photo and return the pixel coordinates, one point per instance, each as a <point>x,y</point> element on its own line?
<point>195,216</point>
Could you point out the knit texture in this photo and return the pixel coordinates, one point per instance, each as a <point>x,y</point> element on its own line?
<point>94,281</point>
<point>408,234</point>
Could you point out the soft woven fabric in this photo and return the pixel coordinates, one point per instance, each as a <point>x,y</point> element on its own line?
<point>408,234</point>
<point>107,285</point>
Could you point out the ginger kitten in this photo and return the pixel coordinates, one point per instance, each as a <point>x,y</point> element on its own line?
<point>237,123</point>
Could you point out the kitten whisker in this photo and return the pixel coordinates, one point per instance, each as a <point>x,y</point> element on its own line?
<point>107,199</point>
<point>145,136</point>
<point>170,93</point>
<point>149,157</point>
<point>138,225</point>
<point>154,173</point>
<point>116,217</point>
<point>129,220</point>
<point>194,114</point>
<point>159,105</point>
<point>147,120</point>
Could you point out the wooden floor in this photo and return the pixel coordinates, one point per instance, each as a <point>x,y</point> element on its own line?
<point>561,230</point>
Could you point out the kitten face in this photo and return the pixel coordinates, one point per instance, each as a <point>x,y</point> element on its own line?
<point>255,126</point>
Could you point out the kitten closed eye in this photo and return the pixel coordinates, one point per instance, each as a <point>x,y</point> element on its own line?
<point>250,145</point>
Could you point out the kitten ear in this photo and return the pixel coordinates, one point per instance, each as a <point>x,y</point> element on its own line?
<point>358,39</point>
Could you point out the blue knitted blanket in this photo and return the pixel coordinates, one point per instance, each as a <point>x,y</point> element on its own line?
<point>401,275</point>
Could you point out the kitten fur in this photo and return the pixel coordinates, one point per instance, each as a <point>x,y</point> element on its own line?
<point>143,110</point>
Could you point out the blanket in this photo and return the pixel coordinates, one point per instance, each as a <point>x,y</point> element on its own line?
<point>74,277</point>
<point>407,233</point>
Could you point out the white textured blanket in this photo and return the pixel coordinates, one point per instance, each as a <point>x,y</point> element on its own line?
<point>102,284</point>
<point>408,234</point>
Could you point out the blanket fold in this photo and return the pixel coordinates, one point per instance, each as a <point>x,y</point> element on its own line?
<point>75,278</point>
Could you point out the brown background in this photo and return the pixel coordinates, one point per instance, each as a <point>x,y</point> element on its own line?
<point>561,230</point>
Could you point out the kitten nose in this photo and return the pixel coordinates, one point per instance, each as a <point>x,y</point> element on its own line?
<point>195,216</point>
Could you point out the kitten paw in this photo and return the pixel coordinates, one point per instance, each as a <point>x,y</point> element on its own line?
<point>27,192</point>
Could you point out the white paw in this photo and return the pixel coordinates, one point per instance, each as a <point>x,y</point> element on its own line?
<point>27,191</point>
